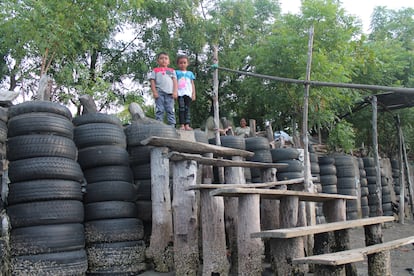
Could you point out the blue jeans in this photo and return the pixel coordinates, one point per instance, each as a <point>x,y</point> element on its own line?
<point>165,104</point>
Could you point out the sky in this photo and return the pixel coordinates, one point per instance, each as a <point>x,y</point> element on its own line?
<point>360,8</point>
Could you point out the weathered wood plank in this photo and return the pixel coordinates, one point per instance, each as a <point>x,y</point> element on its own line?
<point>277,194</point>
<point>253,185</point>
<point>320,228</point>
<point>176,156</point>
<point>354,255</point>
<point>194,147</point>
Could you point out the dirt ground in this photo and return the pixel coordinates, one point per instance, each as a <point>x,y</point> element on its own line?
<point>401,258</point>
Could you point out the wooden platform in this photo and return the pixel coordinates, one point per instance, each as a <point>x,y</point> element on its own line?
<point>277,194</point>
<point>320,228</point>
<point>353,255</point>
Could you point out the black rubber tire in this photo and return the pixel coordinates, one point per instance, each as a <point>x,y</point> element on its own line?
<point>144,189</point>
<point>40,123</point>
<point>328,180</point>
<point>200,136</point>
<point>326,160</point>
<point>139,155</point>
<point>371,180</point>
<point>110,210</point>
<point>280,154</point>
<point>117,254</point>
<point>141,171</point>
<point>37,145</point>
<point>90,118</point>
<point>138,131</point>
<point>114,230</point>
<point>60,263</point>
<point>293,166</point>
<point>39,106</point>
<point>263,156</point>
<point>350,191</point>
<point>370,171</point>
<point>45,168</point>
<point>345,171</point>
<point>368,162</point>
<point>327,169</point>
<point>346,183</point>
<point>97,134</point>
<point>110,190</point>
<point>343,160</point>
<point>45,212</point>
<point>313,157</point>
<point>315,169</point>
<point>47,239</point>
<point>92,157</point>
<point>108,173</point>
<point>364,201</point>
<point>44,189</point>
<point>144,210</point>
<point>288,175</point>
<point>235,142</point>
<point>362,173</point>
<point>329,189</point>
<point>257,143</point>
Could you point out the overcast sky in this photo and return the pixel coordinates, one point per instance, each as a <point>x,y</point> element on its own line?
<point>361,8</point>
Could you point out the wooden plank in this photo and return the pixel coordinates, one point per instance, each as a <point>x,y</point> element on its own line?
<point>177,156</point>
<point>320,228</point>
<point>353,255</point>
<point>255,185</point>
<point>277,194</point>
<point>194,147</point>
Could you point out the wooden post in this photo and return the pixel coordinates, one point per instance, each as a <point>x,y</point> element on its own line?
<point>185,215</point>
<point>376,154</point>
<point>378,263</point>
<point>212,222</point>
<point>252,125</point>
<point>308,184</point>
<point>88,104</point>
<point>160,249</point>
<point>233,175</point>
<point>335,210</point>
<point>283,251</point>
<point>407,169</point>
<point>401,212</point>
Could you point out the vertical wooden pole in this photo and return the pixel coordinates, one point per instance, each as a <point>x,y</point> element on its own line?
<point>401,211</point>
<point>215,97</point>
<point>185,214</point>
<point>308,184</point>
<point>233,175</point>
<point>160,249</point>
<point>378,263</point>
<point>376,154</point>
<point>407,169</point>
<point>212,222</point>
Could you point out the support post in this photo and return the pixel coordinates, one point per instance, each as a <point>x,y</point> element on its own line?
<point>160,249</point>
<point>401,211</point>
<point>212,222</point>
<point>376,154</point>
<point>185,216</point>
<point>378,263</point>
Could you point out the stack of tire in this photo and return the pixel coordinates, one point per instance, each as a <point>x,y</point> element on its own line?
<point>364,191</point>
<point>327,174</point>
<point>315,172</point>
<point>288,156</point>
<point>261,148</point>
<point>386,195</point>
<point>140,162</point>
<point>113,233</point>
<point>347,183</point>
<point>395,165</point>
<point>45,198</point>
<point>369,166</point>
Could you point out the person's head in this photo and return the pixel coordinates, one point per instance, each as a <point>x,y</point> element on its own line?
<point>182,62</point>
<point>163,60</point>
<point>243,122</point>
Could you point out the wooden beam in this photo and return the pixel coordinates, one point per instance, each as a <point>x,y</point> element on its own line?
<point>176,156</point>
<point>194,147</point>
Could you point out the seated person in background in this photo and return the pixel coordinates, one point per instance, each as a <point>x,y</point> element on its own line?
<point>243,130</point>
<point>210,129</point>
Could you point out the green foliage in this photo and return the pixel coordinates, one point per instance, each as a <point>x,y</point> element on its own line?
<point>342,137</point>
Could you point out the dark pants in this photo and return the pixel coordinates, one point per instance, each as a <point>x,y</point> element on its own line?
<point>184,109</point>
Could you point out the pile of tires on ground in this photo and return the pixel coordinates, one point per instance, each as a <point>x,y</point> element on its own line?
<point>3,228</point>
<point>315,172</point>
<point>261,148</point>
<point>114,234</point>
<point>288,156</point>
<point>140,162</point>
<point>363,188</point>
<point>45,199</point>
